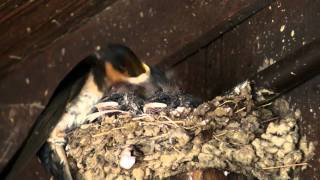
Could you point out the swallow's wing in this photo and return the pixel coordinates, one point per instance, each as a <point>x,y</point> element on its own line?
<point>68,89</point>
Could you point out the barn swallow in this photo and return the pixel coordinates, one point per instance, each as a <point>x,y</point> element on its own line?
<point>76,96</point>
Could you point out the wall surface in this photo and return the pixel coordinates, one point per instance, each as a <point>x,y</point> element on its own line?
<point>261,40</point>
<point>208,45</point>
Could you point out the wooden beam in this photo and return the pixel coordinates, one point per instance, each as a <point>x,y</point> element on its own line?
<point>28,27</point>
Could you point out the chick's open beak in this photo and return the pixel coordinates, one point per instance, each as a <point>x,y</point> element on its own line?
<point>116,76</point>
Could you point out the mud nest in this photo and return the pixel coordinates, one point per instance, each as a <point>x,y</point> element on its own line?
<point>168,134</point>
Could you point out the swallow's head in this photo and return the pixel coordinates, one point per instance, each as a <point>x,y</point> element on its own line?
<point>122,65</point>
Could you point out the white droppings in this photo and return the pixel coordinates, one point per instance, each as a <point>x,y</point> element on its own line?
<point>141,14</point>
<point>266,63</point>
<point>292,73</point>
<point>292,33</point>
<point>303,43</point>
<point>278,4</point>
<point>63,51</point>
<point>56,22</point>
<point>126,159</point>
<point>270,7</point>
<point>28,30</point>
<point>226,173</point>
<point>98,48</point>
<point>272,20</point>
<point>27,80</point>
<point>282,28</point>
<point>15,57</point>
<point>46,92</point>
<point>311,110</point>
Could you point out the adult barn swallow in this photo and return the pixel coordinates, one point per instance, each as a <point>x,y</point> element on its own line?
<point>75,97</point>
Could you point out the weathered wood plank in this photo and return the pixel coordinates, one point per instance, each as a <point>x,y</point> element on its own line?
<point>29,26</point>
